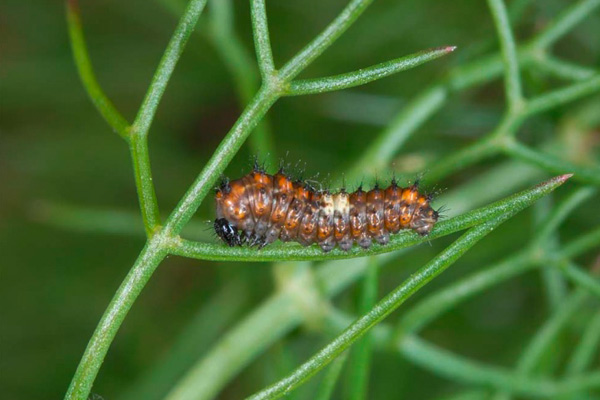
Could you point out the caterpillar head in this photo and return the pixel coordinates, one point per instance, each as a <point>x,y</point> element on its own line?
<point>227,232</point>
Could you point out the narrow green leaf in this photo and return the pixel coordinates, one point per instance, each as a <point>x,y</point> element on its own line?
<point>365,75</point>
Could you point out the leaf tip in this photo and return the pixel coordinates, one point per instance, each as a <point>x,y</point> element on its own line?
<point>563,178</point>
<point>449,49</point>
<point>556,181</point>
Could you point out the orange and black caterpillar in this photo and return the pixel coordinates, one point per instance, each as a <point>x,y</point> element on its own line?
<point>259,208</point>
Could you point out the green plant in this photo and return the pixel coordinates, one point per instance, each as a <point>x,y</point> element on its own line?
<point>302,284</point>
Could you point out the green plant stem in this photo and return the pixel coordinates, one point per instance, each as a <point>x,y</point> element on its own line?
<point>138,147</point>
<point>86,73</point>
<point>512,80</point>
<point>562,96</point>
<point>332,374</point>
<point>360,359</point>
<point>563,69</point>
<point>222,309</point>
<point>149,259</point>
<point>585,242</point>
<point>241,66</point>
<point>564,23</point>
<point>590,175</point>
<point>261,39</point>
<point>238,60</point>
<point>434,305</point>
<point>365,75</point>
<point>276,317</point>
<point>141,125</point>
<point>581,278</point>
<point>382,309</point>
<point>561,212</point>
<point>583,355</point>
<point>470,372</point>
<point>379,153</point>
<point>548,333</point>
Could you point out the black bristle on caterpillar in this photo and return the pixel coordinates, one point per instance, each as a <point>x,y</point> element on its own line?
<point>259,208</point>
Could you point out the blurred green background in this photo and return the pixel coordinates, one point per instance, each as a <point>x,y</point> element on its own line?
<point>69,224</point>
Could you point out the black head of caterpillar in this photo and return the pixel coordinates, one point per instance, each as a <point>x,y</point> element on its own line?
<point>259,208</point>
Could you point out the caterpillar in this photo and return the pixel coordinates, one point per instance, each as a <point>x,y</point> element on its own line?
<point>259,208</point>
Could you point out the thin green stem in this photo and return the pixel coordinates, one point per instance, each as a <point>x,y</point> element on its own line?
<point>379,153</point>
<point>512,80</point>
<point>561,212</point>
<point>547,334</point>
<point>148,260</point>
<point>325,39</point>
<point>581,278</point>
<point>86,73</point>
<point>138,147</point>
<point>563,69</point>
<point>562,96</point>
<point>331,377</point>
<point>443,300</point>
<point>261,39</point>
<point>365,75</point>
<point>276,317</point>
<point>469,372</point>
<point>360,359</point>
<point>145,115</point>
<point>482,149</point>
<point>564,23</point>
<point>241,66</point>
<point>222,309</point>
<point>583,355</point>
<point>586,242</point>
<point>590,175</point>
